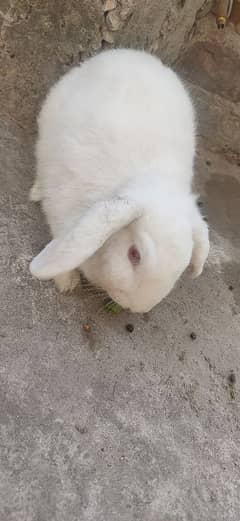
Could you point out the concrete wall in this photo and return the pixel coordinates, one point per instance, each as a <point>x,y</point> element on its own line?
<point>41,39</point>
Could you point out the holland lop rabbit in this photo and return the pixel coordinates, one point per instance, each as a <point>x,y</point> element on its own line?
<point>115,159</point>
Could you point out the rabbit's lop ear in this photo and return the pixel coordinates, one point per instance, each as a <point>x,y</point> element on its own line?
<point>200,245</point>
<point>85,238</point>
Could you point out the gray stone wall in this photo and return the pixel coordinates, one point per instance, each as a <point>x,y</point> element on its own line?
<point>40,40</point>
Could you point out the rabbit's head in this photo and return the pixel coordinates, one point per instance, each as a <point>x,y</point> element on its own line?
<point>135,252</point>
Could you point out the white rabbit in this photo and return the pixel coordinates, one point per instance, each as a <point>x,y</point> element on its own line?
<point>114,170</point>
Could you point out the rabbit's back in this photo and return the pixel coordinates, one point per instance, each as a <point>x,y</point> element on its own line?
<point>104,121</point>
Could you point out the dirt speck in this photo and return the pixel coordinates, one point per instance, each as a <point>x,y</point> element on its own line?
<point>80,429</point>
<point>129,328</point>
<point>181,356</point>
<point>231,378</point>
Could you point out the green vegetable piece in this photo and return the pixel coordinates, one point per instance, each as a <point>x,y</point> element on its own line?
<point>112,307</point>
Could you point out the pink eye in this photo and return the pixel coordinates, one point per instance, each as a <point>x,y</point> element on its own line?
<point>134,255</point>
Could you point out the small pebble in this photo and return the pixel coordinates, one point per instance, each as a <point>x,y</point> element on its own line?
<point>129,328</point>
<point>230,287</point>
<point>193,335</point>
<point>208,162</point>
<point>86,328</point>
<point>123,458</point>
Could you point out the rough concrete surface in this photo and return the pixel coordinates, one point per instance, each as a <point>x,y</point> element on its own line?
<point>109,425</point>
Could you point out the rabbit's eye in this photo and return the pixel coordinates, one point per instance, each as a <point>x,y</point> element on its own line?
<point>134,255</point>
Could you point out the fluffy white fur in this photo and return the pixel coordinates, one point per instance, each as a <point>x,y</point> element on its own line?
<point>114,169</point>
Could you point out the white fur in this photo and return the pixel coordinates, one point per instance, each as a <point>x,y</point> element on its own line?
<point>114,168</point>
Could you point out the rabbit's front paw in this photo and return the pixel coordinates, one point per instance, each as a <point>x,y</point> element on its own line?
<point>35,194</point>
<point>67,281</point>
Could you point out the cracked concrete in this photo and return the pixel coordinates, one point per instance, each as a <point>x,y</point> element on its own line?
<point>106,425</point>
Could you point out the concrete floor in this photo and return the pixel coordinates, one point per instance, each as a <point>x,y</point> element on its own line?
<point>108,425</point>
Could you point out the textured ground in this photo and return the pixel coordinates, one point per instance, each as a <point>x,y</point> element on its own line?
<point>108,425</point>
